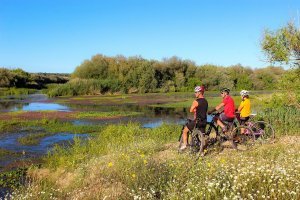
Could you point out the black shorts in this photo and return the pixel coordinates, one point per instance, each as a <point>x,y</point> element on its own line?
<point>201,126</point>
<point>243,120</point>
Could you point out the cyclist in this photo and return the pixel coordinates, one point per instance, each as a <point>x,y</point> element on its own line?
<point>244,108</point>
<point>229,109</point>
<point>199,108</point>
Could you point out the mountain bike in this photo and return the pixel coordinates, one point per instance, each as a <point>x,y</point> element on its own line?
<point>195,139</point>
<point>198,141</point>
<point>262,131</point>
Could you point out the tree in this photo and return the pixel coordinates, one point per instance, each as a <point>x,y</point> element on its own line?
<point>6,77</point>
<point>283,45</point>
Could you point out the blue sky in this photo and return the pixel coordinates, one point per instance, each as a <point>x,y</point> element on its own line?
<point>58,35</point>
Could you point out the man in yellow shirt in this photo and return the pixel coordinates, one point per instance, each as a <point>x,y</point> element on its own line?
<point>244,108</point>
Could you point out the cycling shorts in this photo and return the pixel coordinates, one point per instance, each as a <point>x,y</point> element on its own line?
<point>224,118</point>
<point>191,124</point>
<point>243,120</point>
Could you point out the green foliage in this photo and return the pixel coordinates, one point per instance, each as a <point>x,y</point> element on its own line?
<point>18,78</point>
<point>111,139</point>
<point>16,91</point>
<point>84,86</point>
<point>283,45</point>
<point>95,114</point>
<point>138,75</point>
<point>50,126</point>
<point>12,179</point>
<point>32,139</point>
<point>284,119</point>
<point>127,162</point>
<point>4,152</point>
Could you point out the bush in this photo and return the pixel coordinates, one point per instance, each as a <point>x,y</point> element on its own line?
<point>84,87</point>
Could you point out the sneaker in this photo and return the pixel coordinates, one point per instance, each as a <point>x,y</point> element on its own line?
<point>183,147</point>
<point>234,145</point>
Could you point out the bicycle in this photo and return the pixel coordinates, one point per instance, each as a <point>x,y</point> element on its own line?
<point>198,141</point>
<point>195,139</point>
<point>261,130</point>
<point>238,134</point>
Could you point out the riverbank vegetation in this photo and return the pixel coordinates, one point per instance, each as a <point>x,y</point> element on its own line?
<point>130,162</point>
<point>46,125</point>
<point>32,139</point>
<point>104,74</point>
<point>18,78</point>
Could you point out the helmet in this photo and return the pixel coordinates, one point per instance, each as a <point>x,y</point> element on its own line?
<point>244,93</point>
<point>199,89</point>
<point>225,90</point>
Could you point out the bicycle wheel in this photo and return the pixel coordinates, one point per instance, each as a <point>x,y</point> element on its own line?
<point>192,142</point>
<point>243,135</point>
<point>180,139</point>
<point>212,133</point>
<point>198,141</point>
<point>263,130</point>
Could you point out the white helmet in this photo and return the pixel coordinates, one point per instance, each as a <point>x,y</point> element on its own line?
<point>199,89</point>
<point>244,93</point>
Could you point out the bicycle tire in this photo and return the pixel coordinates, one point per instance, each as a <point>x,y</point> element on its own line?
<point>199,141</point>
<point>213,133</point>
<point>191,143</point>
<point>263,130</point>
<point>243,135</point>
<point>181,140</point>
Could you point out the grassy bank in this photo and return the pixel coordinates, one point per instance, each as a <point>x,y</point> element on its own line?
<point>15,91</point>
<point>32,139</point>
<point>285,120</point>
<point>50,126</point>
<point>129,162</point>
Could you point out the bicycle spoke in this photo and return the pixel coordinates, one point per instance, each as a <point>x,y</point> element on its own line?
<point>263,131</point>
<point>243,135</point>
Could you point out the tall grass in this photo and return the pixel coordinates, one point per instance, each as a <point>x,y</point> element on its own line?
<point>32,139</point>
<point>83,87</point>
<point>112,139</point>
<point>51,126</point>
<point>285,120</point>
<point>16,91</point>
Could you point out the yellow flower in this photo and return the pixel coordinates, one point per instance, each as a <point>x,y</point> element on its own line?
<point>110,164</point>
<point>145,162</point>
<point>208,164</point>
<point>223,160</point>
<point>133,175</point>
<point>142,155</point>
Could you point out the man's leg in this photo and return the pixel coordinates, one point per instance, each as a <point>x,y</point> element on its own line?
<point>184,135</point>
<point>220,124</point>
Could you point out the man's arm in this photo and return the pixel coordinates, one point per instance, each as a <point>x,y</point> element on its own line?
<point>216,108</point>
<point>219,106</point>
<point>194,106</point>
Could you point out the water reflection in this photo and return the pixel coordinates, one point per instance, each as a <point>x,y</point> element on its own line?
<point>40,107</point>
<point>10,142</point>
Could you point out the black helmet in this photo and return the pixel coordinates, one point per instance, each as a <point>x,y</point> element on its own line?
<point>225,90</point>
